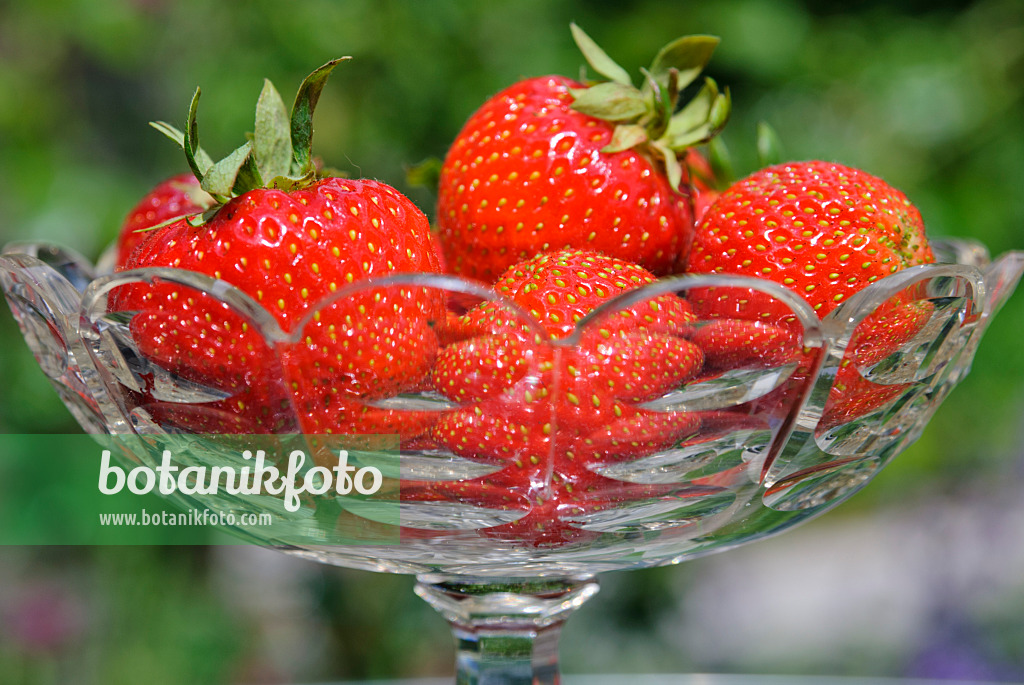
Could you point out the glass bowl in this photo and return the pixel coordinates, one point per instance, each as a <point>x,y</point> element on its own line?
<point>522,465</point>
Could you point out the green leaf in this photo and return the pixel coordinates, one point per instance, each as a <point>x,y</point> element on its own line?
<point>769,145</point>
<point>702,119</point>
<point>272,137</point>
<point>610,101</point>
<point>659,108</point>
<point>695,136</point>
<point>204,160</point>
<point>722,168</point>
<point>721,109</point>
<point>689,55</point>
<point>290,183</point>
<point>191,139</point>
<point>703,133</point>
<point>672,88</point>
<point>162,224</point>
<point>673,169</point>
<point>200,219</point>
<point>625,137</point>
<point>694,114</point>
<point>248,177</point>
<point>597,58</point>
<point>302,117</point>
<point>220,180</point>
<point>169,131</point>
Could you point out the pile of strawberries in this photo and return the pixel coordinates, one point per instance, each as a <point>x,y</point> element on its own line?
<point>558,196</point>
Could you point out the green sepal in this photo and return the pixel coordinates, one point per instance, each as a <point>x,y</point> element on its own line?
<point>702,118</point>
<point>673,169</point>
<point>598,59</point>
<point>232,173</point>
<point>626,137</point>
<point>204,160</point>
<point>302,117</point>
<point>248,177</point>
<point>721,110</point>
<point>659,110</point>
<point>610,101</point>
<point>722,169</point>
<point>701,134</point>
<point>672,90</point>
<point>695,113</point>
<point>687,55</point>
<point>191,143</point>
<point>200,219</point>
<point>290,183</point>
<point>165,222</point>
<point>769,146</point>
<point>425,174</point>
<point>270,151</point>
<point>272,137</point>
<point>647,116</point>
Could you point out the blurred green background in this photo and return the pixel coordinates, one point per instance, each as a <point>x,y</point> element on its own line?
<point>927,95</point>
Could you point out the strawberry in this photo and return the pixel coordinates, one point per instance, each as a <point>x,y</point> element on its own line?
<point>559,288</point>
<point>550,162</point>
<point>172,198</point>
<point>569,512</point>
<point>711,170</point>
<point>734,343</point>
<point>290,244</point>
<point>632,353</point>
<point>877,336</point>
<point>825,231</point>
<point>546,410</point>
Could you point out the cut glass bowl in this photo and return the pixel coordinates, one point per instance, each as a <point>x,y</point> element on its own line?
<point>505,542</point>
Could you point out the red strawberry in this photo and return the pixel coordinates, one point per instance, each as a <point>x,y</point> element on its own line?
<point>559,288</point>
<point>636,434</point>
<point>537,522</point>
<point>825,231</point>
<point>571,509</point>
<point>876,337</point>
<point>547,411</point>
<point>473,369</point>
<point>550,163</point>
<point>556,491</point>
<point>175,197</point>
<point>735,343</point>
<point>632,353</point>
<point>290,247</point>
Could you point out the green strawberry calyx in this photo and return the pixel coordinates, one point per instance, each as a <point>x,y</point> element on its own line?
<point>278,153</point>
<point>650,118</point>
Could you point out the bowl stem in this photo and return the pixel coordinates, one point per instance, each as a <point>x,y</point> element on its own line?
<point>506,630</point>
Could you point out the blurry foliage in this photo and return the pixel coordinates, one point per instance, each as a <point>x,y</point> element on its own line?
<point>114,615</point>
<point>927,95</point>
